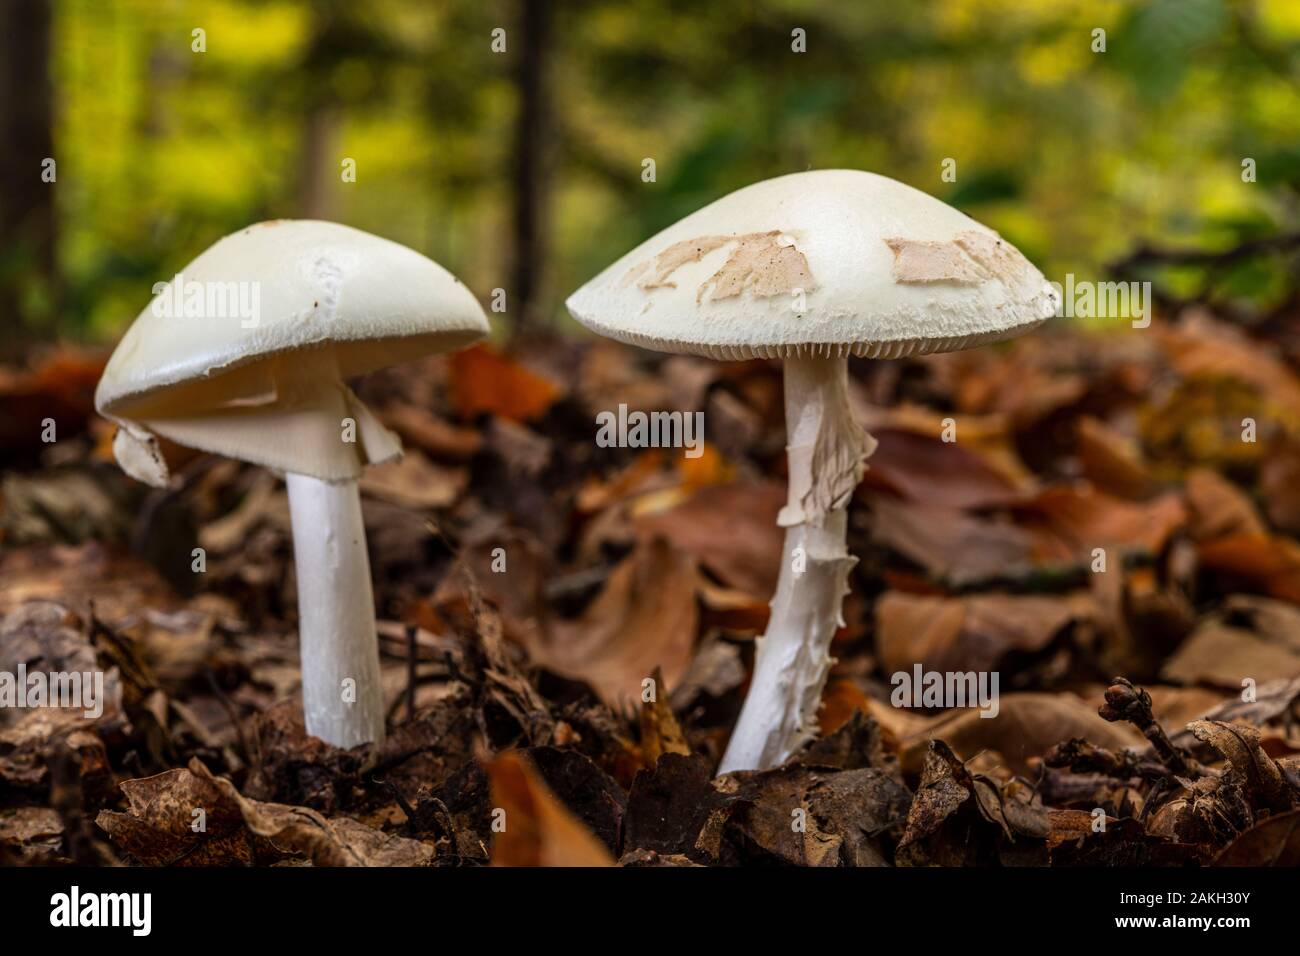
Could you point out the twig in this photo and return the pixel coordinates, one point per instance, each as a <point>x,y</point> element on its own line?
<point>1126,702</point>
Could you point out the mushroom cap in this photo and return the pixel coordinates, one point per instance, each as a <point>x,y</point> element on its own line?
<point>828,262</point>
<point>319,283</point>
<point>244,353</point>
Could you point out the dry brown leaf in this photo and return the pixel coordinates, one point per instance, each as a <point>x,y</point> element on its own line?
<point>422,429</point>
<point>158,827</point>
<point>967,633</point>
<point>1200,346</point>
<point>538,830</point>
<point>1112,461</point>
<point>731,530</point>
<point>1272,842</point>
<point>646,617</point>
<point>1216,508</point>
<point>414,482</point>
<point>1260,564</point>
<point>1222,655</point>
<point>926,469</point>
<point>1279,485</point>
<point>660,732</point>
<point>1027,725</point>
<point>951,545</point>
<point>1238,744</point>
<point>1068,522</point>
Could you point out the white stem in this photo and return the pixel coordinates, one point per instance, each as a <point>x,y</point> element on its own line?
<point>826,448</point>
<point>341,694</point>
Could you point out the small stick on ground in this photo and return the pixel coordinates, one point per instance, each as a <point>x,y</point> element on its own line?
<point>1126,702</point>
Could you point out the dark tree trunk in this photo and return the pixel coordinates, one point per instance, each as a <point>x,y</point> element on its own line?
<point>28,264</point>
<point>531,150</point>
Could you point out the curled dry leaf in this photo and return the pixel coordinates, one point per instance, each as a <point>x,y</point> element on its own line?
<point>158,827</point>
<point>1257,771</point>
<point>31,835</point>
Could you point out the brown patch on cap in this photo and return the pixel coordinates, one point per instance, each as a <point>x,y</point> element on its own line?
<point>760,262</point>
<point>969,258</point>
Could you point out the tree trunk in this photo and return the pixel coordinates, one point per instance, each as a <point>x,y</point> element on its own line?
<point>28,225</point>
<point>530,155</point>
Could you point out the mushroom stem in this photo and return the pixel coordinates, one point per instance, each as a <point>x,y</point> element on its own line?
<point>341,693</point>
<point>826,448</point>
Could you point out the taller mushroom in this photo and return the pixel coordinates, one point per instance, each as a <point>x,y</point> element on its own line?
<point>811,268</point>
<point>245,354</point>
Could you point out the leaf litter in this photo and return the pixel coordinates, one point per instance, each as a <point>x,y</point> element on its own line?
<point>1095,536</point>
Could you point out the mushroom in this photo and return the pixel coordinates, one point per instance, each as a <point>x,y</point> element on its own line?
<point>811,268</point>
<point>244,354</point>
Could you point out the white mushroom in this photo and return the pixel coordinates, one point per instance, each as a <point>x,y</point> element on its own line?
<point>245,355</point>
<point>811,268</point>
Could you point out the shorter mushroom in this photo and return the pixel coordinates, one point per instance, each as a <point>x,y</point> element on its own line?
<point>811,268</point>
<point>245,354</point>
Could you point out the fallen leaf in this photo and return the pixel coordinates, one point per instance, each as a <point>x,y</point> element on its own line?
<point>414,482</point>
<point>660,732</point>
<point>646,617</point>
<point>1027,725</point>
<point>157,828</point>
<point>485,380</point>
<point>731,530</point>
<point>950,545</point>
<point>1068,522</point>
<point>1216,508</point>
<point>538,830</point>
<point>1260,564</point>
<point>967,633</point>
<point>927,469</point>
<point>1112,462</point>
<point>1257,771</point>
<point>1271,842</point>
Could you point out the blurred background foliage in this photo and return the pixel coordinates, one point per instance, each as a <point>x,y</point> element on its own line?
<point>522,169</point>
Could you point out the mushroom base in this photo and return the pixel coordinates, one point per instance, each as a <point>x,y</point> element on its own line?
<point>826,451</point>
<point>341,694</point>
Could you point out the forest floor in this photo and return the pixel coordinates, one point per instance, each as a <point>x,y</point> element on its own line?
<point>1113,532</point>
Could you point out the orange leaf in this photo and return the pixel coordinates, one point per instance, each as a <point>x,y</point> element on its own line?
<point>539,829</point>
<point>484,380</point>
<point>1258,563</point>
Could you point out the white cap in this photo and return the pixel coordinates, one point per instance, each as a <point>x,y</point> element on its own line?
<point>829,262</point>
<point>245,352</point>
